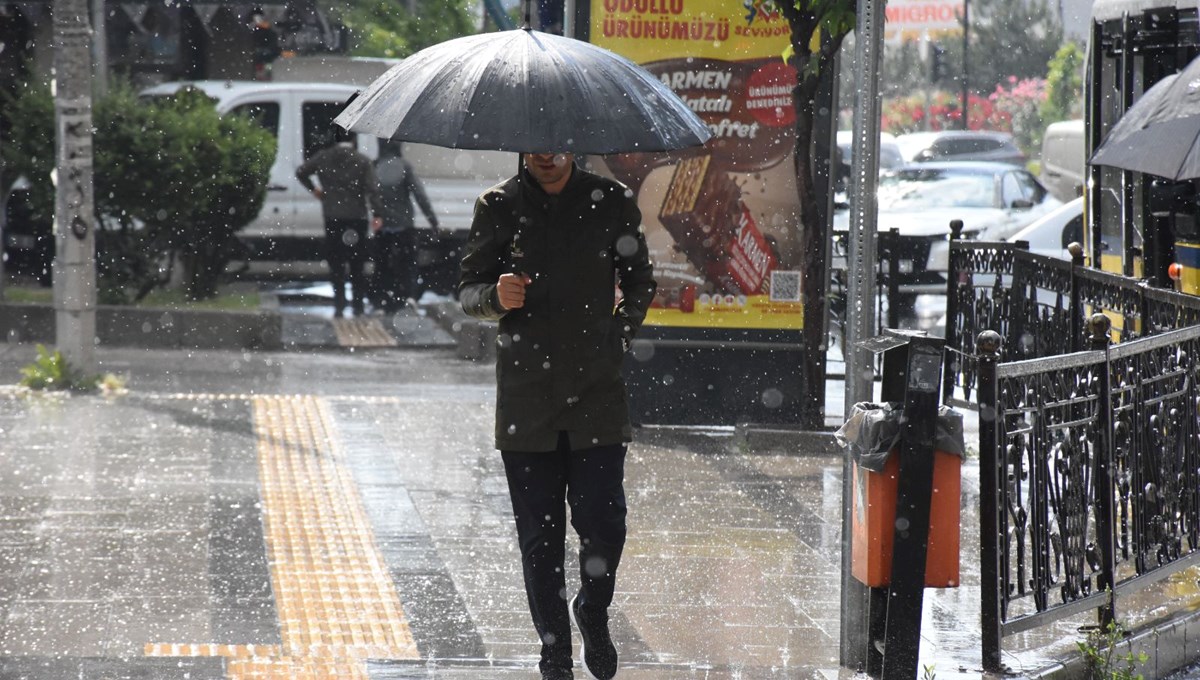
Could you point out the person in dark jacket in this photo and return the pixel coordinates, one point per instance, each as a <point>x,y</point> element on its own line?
<point>544,252</point>
<point>348,184</point>
<point>396,266</point>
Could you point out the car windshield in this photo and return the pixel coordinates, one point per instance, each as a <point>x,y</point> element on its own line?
<point>917,189</point>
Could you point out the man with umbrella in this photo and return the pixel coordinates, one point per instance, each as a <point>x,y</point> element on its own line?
<point>544,251</point>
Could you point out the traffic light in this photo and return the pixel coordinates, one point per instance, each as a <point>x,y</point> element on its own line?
<point>937,64</point>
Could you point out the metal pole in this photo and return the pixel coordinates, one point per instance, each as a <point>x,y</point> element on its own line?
<point>860,298</point>
<point>569,19</point>
<point>75,260</point>
<point>966,23</point>
<point>991,529</point>
<point>860,265</point>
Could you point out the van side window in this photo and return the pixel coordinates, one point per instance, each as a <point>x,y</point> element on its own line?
<point>265,113</point>
<point>317,119</point>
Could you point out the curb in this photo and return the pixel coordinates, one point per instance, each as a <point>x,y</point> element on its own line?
<point>152,328</point>
<point>1169,647</point>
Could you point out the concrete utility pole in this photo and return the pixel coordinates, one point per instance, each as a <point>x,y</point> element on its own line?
<point>74,215</point>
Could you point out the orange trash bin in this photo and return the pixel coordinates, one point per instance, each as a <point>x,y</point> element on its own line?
<point>874,520</point>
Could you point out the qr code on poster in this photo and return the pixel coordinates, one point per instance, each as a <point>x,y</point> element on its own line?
<point>785,286</point>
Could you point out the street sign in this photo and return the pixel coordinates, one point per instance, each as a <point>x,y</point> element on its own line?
<point>912,19</point>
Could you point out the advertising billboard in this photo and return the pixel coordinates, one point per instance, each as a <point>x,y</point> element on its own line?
<point>722,221</point>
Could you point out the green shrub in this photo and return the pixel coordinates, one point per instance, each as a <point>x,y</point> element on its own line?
<point>51,371</point>
<point>174,182</point>
<point>1101,659</point>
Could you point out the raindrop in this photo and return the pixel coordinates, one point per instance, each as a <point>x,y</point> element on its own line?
<point>597,195</point>
<point>512,429</point>
<point>546,364</point>
<point>772,398</point>
<point>627,246</point>
<point>668,379</point>
<point>642,351</point>
<point>504,340</point>
<point>901,524</point>
<point>595,566</point>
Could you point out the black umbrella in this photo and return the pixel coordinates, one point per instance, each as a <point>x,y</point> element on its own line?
<point>1158,135</point>
<point>525,91</point>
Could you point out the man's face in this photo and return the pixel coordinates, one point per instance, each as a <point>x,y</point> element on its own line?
<point>549,168</point>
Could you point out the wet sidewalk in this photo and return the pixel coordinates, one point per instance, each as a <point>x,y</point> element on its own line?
<point>331,515</point>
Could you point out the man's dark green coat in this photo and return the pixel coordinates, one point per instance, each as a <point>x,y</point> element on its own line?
<point>558,365</point>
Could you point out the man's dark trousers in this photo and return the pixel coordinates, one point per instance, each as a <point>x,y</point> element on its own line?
<point>591,481</point>
<point>346,248</point>
<point>396,272</point>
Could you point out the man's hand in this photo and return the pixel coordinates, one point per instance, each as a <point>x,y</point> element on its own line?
<point>318,193</point>
<point>511,290</point>
<point>377,223</point>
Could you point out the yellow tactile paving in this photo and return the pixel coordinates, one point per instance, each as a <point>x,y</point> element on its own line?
<point>336,602</point>
<point>367,332</point>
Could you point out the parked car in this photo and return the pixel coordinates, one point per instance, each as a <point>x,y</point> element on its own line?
<point>1051,234</point>
<point>959,145</point>
<point>994,201</point>
<point>890,157</point>
<point>1063,159</point>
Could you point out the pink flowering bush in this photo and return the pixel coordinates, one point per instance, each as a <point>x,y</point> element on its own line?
<point>1017,109</point>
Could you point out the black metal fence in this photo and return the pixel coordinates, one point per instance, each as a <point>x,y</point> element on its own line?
<point>1089,451</point>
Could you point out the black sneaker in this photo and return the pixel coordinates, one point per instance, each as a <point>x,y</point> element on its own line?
<point>558,674</point>
<point>599,654</point>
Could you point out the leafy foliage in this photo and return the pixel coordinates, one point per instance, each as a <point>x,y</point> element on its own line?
<point>1064,84</point>
<point>941,111</point>
<point>1009,38</point>
<point>173,181</point>
<point>1101,658</point>
<point>385,28</point>
<point>51,371</point>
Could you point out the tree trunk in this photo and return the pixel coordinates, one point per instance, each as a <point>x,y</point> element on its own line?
<point>812,262</point>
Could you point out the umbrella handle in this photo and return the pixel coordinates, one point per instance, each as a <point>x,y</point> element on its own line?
<point>528,7</point>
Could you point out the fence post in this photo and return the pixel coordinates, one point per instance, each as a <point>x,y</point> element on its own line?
<point>1076,251</point>
<point>1099,327</point>
<point>892,256</point>
<point>953,364</point>
<point>987,347</point>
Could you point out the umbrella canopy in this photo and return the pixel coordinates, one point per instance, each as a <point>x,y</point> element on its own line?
<point>1159,133</point>
<point>525,91</point>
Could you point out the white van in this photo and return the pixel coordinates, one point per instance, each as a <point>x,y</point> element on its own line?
<point>1063,159</point>
<point>290,227</point>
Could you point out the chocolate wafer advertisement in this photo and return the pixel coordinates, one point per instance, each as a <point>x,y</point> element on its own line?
<point>722,221</point>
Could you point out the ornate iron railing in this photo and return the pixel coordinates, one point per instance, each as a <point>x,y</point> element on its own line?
<point>1089,452</point>
<point>1039,306</point>
<point>1089,476</point>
